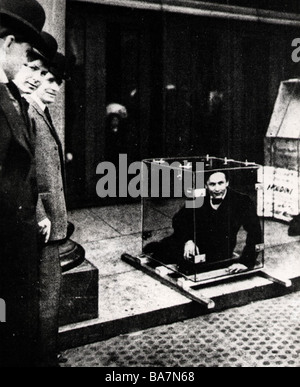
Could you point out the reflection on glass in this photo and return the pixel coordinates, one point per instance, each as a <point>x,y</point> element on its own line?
<point>222,236</point>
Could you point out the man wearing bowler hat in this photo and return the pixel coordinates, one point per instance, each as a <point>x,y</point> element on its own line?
<point>31,75</point>
<point>51,209</point>
<point>21,22</point>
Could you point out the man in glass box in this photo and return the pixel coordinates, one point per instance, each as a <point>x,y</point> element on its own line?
<point>210,233</point>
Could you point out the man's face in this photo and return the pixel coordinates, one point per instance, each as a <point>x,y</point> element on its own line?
<point>31,76</point>
<point>49,89</point>
<point>13,56</point>
<point>217,185</point>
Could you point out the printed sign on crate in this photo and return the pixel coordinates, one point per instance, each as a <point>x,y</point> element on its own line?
<point>280,196</point>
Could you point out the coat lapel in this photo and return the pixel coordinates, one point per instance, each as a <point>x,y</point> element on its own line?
<point>15,120</point>
<point>53,131</point>
<point>43,115</point>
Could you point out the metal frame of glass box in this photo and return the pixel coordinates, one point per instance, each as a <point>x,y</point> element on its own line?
<point>191,172</point>
<point>176,204</point>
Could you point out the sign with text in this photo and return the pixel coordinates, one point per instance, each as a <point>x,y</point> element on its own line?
<point>281,194</point>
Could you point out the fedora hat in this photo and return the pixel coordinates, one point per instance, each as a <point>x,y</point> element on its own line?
<point>26,18</point>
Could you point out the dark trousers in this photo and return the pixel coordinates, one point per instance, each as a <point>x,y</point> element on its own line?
<point>19,262</point>
<point>50,287</point>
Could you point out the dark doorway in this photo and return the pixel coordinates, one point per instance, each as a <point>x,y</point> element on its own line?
<point>115,61</point>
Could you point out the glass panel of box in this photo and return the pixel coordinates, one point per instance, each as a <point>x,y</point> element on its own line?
<point>203,217</point>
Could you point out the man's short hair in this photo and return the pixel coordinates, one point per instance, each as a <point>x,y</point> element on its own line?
<point>59,68</point>
<point>208,175</point>
<point>34,55</point>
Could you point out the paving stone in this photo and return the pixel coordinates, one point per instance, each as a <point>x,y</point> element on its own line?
<point>127,219</point>
<point>260,334</point>
<point>90,228</point>
<point>134,293</point>
<point>276,234</point>
<point>106,254</point>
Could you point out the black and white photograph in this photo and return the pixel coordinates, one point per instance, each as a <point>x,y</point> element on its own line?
<point>149,186</point>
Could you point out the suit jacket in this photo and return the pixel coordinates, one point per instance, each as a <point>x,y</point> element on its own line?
<point>216,231</point>
<point>19,257</point>
<point>50,173</point>
<point>18,186</point>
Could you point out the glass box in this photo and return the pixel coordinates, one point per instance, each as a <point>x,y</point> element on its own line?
<point>203,218</point>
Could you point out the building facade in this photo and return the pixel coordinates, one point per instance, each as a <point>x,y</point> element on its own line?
<point>196,77</point>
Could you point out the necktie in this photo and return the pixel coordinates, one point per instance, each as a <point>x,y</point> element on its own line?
<point>48,115</point>
<point>24,108</point>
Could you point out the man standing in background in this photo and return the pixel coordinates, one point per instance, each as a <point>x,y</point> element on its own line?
<point>30,78</point>
<point>21,22</point>
<point>51,209</point>
<point>32,73</point>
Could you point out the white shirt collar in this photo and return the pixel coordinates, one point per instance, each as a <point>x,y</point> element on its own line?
<point>3,77</point>
<point>36,99</point>
<point>216,206</point>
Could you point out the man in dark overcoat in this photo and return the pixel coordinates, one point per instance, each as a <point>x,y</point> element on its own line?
<point>51,209</point>
<point>210,233</point>
<point>21,22</point>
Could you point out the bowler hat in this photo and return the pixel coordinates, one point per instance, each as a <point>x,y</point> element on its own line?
<point>24,17</point>
<point>50,47</point>
<point>58,67</point>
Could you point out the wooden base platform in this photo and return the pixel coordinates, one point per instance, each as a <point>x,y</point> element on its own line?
<point>189,288</point>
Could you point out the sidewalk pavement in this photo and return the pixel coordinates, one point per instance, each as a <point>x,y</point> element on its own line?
<point>131,301</point>
<point>262,334</point>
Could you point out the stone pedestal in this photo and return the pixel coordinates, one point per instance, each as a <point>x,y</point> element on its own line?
<point>79,297</point>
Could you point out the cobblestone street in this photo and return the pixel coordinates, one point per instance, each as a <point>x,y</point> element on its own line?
<point>262,334</point>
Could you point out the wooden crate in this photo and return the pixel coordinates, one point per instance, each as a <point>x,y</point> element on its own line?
<point>282,153</point>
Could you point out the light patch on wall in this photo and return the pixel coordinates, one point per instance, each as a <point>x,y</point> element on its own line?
<point>171,87</point>
<point>2,311</point>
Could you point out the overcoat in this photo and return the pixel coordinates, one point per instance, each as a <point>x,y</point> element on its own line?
<point>50,173</point>
<point>215,231</point>
<point>19,258</point>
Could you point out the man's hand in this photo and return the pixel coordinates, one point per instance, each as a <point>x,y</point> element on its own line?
<point>190,250</point>
<point>237,268</point>
<point>45,229</point>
